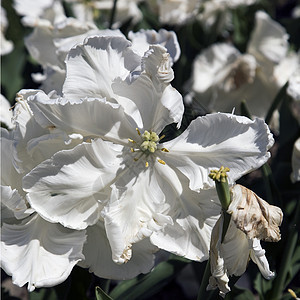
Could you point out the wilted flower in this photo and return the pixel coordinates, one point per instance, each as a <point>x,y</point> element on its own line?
<point>252,220</point>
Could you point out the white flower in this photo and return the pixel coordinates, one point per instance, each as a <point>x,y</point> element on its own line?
<point>212,11</point>
<point>142,39</point>
<point>177,12</point>
<point>293,88</point>
<point>33,250</point>
<point>49,45</point>
<point>6,113</point>
<point>295,176</point>
<point>125,171</point>
<point>252,220</point>
<point>126,10</point>
<point>51,251</point>
<point>5,45</point>
<point>268,40</point>
<point>44,12</point>
<point>223,77</point>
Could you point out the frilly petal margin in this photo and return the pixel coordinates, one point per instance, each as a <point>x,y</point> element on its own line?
<point>96,63</point>
<point>194,216</point>
<point>65,188</point>
<point>98,256</point>
<point>39,253</point>
<point>217,140</point>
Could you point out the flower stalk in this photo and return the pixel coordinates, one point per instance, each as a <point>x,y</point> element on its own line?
<point>220,178</point>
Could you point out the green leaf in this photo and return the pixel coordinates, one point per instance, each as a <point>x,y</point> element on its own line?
<point>144,286</point>
<point>101,295</point>
<point>262,286</point>
<point>237,293</point>
<point>43,294</point>
<point>11,72</point>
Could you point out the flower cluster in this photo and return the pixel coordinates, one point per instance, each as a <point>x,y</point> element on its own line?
<point>100,166</point>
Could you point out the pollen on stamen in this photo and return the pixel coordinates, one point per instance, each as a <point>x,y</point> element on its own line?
<point>146,164</point>
<point>163,136</point>
<point>138,131</point>
<point>164,150</point>
<point>161,161</point>
<point>131,141</point>
<point>132,150</point>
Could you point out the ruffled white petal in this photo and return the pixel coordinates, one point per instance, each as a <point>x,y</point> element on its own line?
<point>39,253</point>
<point>212,66</point>
<point>33,143</point>
<point>142,39</point>
<point>6,114</point>
<point>257,254</point>
<point>217,140</point>
<point>219,278</point>
<point>153,109</point>
<point>268,40</point>
<point>138,197</point>
<point>68,187</point>
<point>235,250</point>
<point>88,117</point>
<point>13,205</point>
<point>194,215</point>
<point>98,256</point>
<point>96,64</point>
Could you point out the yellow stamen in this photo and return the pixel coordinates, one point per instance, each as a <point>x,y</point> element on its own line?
<point>131,141</point>
<point>164,150</point>
<point>132,150</point>
<point>293,294</point>
<point>219,175</point>
<point>135,159</point>
<point>138,131</point>
<point>163,136</point>
<point>146,164</point>
<point>161,161</point>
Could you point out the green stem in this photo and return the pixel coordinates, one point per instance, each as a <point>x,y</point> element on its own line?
<point>202,294</point>
<point>113,13</point>
<point>245,110</point>
<point>279,282</point>
<point>290,246</point>
<point>276,103</point>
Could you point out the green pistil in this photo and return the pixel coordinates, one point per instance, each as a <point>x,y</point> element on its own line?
<point>220,178</point>
<point>150,141</point>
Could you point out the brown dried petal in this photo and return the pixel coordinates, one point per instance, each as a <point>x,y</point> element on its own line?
<point>254,216</point>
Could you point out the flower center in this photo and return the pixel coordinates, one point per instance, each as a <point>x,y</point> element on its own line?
<point>148,145</point>
<point>150,141</point>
